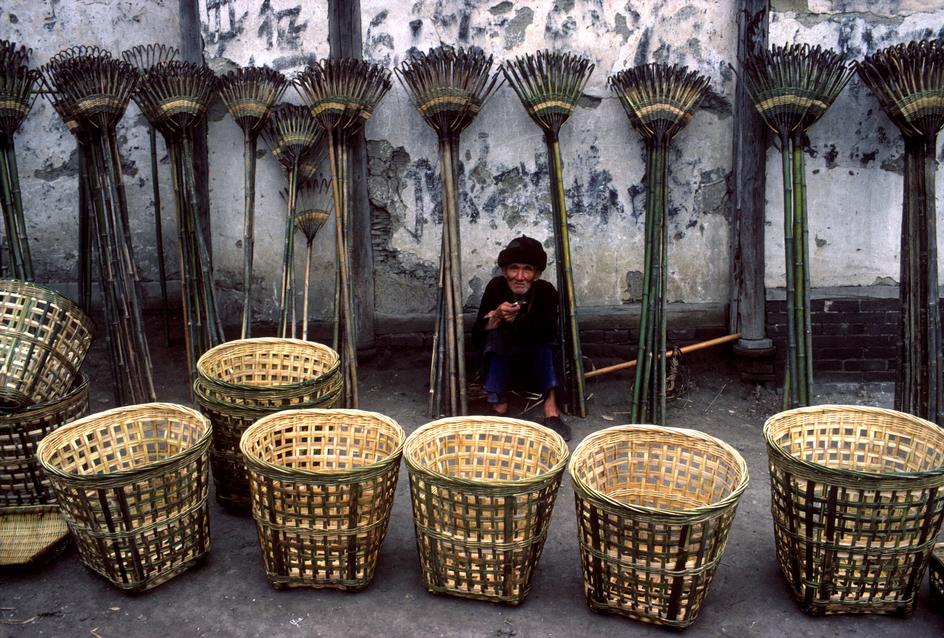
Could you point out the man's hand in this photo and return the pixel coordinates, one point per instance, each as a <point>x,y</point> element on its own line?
<point>506,312</point>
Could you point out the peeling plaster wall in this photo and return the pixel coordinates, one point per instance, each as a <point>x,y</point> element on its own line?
<point>855,162</point>
<point>45,150</point>
<point>503,170</point>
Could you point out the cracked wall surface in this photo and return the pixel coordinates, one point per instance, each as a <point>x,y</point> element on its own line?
<point>854,162</point>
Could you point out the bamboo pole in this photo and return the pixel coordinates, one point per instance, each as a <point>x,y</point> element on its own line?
<point>669,353</point>
<point>159,232</point>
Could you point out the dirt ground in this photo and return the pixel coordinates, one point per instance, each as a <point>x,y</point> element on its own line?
<point>229,595</point>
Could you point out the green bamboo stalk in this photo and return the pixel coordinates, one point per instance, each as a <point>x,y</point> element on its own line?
<point>640,385</point>
<point>249,215</point>
<point>191,322</point>
<point>799,272</point>
<point>85,230</point>
<point>9,219</point>
<point>350,326</point>
<point>792,400</point>
<point>436,361</point>
<point>159,233</point>
<point>935,350</point>
<point>807,289</point>
<point>18,211</point>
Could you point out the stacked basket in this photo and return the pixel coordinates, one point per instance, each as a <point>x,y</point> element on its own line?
<point>44,338</point>
<point>241,381</point>
<point>322,484</point>
<point>483,489</point>
<point>857,503</point>
<point>654,506</point>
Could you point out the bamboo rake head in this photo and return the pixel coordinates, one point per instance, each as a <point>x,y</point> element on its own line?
<point>342,93</point>
<point>97,85</point>
<point>175,95</point>
<point>549,85</point>
<point>310,222</point>
<point>292,134</point>
<point>146,56</point>
<point>449,86</point>
<point>250,93</point>
<point>16,87</point>
<point>659,99</point>
<point>908,80</point>
<point>792,86</point>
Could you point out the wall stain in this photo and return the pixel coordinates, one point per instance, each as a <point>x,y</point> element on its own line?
<point>517,26</point>
<point>282,24</point>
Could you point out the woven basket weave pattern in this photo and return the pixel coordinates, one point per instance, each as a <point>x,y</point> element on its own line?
<point>322,485</point>
<point>132,484</point>
<point>22,480</point>
<point>857,502</point>
<point>242,381</point>
<point>30,535</point>
<point>483,489</point>
<point>654,507</point>
<point>44,338</point>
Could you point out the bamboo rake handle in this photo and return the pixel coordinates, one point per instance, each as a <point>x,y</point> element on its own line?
<point>668,354</point>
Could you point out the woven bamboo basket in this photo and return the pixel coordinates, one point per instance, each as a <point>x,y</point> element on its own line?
<point>31,535</point>
<point>936,573</point>
<point>242,381</point>
<point>654,507</point>
<point>857,504</point>
<point>483,489</point>
<point>132,484</point>
<point>22,480</point>
<point>44,338</point>
<point>322,485</point>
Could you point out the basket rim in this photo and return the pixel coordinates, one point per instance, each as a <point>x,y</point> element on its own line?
<point>50,440</point>
<point>265,341</point>
<point>73,308</point>
<point>773,448</point>
<point>731,499</point>
<point>269,467</point>
<point>537,479</point>
<point>80,383</point>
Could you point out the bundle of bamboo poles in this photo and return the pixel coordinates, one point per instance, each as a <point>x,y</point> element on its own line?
<point>659,100</point>
<point>67,111</point>
<point>250,93</point>
<point>792,86</point>
<point>549,85</point>
<point>342,93</point>
<point>174,97</point>
<point>908,80</point>
<point>143,58</point>
<point>97,88</point>
<point>313,210</point>
<point>449,87</point>
<point>16,99</point>
<point>293,135</point>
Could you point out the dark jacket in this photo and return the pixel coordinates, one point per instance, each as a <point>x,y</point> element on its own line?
<point>535,325</point>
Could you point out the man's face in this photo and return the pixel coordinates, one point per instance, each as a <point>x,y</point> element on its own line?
<point>520,277</point>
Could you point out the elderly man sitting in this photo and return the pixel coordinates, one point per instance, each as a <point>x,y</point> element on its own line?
<point>516,330</point>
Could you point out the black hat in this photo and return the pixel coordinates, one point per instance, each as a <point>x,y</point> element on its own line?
<point>523,250</point>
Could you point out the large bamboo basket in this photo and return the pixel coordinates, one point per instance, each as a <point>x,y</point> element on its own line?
<point>322,485</point>
<point>857,504</point>
<point>483,489</point>
<point>654,507</point>
<point>936,573</point>
<point>22,480</point>
<point>43,340</point>
<point>242,381</point>
<point>132,484</point>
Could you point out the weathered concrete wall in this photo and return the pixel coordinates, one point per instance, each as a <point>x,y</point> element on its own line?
<point>854,167</point>
<point>46,153</point>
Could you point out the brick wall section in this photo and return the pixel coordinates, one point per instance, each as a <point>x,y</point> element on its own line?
<point>854,339</point>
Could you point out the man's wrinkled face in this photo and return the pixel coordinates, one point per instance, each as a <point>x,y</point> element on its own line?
<point>520,277</point>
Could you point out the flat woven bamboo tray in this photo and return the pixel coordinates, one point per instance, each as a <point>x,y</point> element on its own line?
<point>22,480</point>
<point>43,340</point>
<point>31,535</point>
<point>857,504</point>
<point>322,485</point>
<point>936,574</point>
<point>132,484</point>
<point>483,489</point>
<point>242,381</point>
<point>654,507</point>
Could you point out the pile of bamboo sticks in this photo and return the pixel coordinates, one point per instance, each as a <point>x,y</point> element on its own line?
<point>792,87</point>
<point>341,94</point>
<point>908,80</point>
<point>449,87</point>
<point>549,85</point>
<point>250,94</point>
<point>659,100</point>
<point>94,88</point>
<point>174,97</point>
<point>16,99</point>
